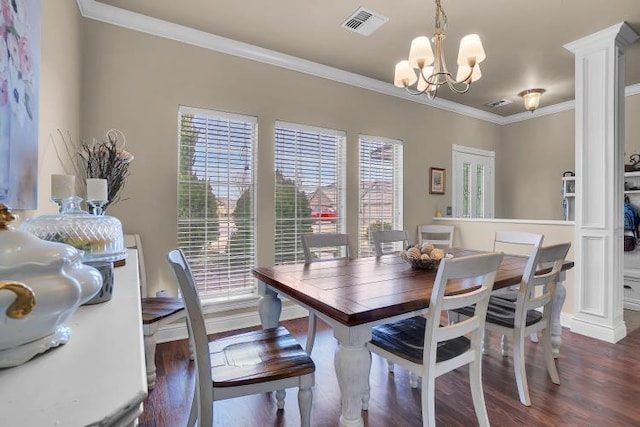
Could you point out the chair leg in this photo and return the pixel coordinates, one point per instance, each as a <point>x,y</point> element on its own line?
<point>486,338</point>
<point>453,317</point>
<point>367,387</point>
<point>150,354</point>
<point>504,345</point>
<point>428,400</point>
<point>280,395</point>
<point>390,366</point>
<point>311,333</point>
<point>477,394</point>
<point>365,397</point>
<point>549,357</point>
<point>305,399</point>
<point>413,380</point>
<point>519,368</point>
<point>193,413</point>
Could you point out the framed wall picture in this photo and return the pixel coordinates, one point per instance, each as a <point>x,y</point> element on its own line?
<point>19,100</point>
<point>436,180</point>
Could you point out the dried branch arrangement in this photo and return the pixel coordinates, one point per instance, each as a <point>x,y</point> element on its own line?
<point>106,159</point>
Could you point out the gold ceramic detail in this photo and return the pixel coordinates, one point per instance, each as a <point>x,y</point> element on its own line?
<point>24,302</point>
<point>6,217</point>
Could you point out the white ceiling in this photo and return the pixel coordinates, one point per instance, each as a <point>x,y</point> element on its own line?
<point>523,39</point>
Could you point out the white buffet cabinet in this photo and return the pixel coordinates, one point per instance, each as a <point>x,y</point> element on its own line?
<point>97,379</point>
<point>632,258</point>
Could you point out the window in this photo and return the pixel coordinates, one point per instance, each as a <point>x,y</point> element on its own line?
<point>473,182</point>
<point>309,186</point>
<point>380,189</point>
<point>215,200</point>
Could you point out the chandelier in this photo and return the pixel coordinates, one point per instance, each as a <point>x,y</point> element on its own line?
<point>418,68</point>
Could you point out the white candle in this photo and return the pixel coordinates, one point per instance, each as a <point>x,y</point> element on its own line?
<point>62,186</point>
<point>97,189</point>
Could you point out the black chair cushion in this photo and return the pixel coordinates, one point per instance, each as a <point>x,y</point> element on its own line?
<point>502,311</point>
<point>405,339</point>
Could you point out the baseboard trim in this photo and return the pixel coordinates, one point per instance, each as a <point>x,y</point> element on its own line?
<point>566,319</point>
<point>597,331</point>
<point>178,330</point>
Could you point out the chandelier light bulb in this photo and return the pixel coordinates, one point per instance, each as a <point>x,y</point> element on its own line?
<point>471,51</point>
<point>420,54</point>
<point>405,75</point>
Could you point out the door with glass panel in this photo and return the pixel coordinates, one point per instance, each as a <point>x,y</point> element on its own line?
<point>473,182</point>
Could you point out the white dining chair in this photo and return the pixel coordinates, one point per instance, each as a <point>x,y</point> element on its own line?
<point>513,243</point>
<point>315,247</point>
<point>441,236</point>
<point>530,313</point>
<point>250,363</point>
<point>386,242</point>
<point>427,349</point>
<point>516,242</point>
<point>156,311</point>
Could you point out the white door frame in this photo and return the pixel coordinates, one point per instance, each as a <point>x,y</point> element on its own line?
<point>456,178</point>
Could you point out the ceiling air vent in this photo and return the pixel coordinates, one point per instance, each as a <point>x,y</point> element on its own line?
<point>501,103</point>
<point>364,21</point>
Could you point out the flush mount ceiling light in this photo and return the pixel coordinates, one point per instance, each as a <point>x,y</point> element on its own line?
<point>531,98</point>
<point>429,77</point>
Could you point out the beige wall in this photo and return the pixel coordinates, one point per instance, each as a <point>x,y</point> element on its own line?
<point>135,82</point>
<point>60,90</point>
<point>632,126</point>
<point>533,155</point>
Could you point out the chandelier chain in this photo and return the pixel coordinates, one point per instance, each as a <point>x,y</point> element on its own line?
<point>440,11</point>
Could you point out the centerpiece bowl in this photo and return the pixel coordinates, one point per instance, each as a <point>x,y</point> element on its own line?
<point>424,256</point>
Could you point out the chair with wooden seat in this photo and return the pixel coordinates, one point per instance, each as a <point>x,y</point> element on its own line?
<point>250,363</point>
<point>384,240</point>
<point>517,319</point>
<point>427,349</point>
<point>441,236</point>
<point>315,247</point>
<point>156,311</point>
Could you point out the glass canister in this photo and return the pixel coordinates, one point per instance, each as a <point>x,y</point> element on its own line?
<point>99,237</point>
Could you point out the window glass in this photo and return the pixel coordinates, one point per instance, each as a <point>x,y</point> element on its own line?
<point>216,218</point>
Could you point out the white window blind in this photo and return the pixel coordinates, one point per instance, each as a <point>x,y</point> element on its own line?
<point>309,186</point>
<point>380,189</point>
<point>216,217</point>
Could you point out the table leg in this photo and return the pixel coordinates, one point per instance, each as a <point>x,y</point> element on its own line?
<point>556,326</point>
<point>149,332</point>
<point>352,363</point>
<point>269,307</point>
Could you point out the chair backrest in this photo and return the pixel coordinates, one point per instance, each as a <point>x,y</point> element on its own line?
<point>198,334</point>
<point>382,241</point>
<point>517,242</point>
<point>313,244</point>
<point>478,269</point>
<point>441,236</point>
<point>537,289</point>
<point>133,241</point>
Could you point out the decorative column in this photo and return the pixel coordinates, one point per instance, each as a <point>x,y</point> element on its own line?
<point>599,88</point>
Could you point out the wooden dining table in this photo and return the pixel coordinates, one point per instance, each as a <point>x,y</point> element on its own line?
<point>353,296</point>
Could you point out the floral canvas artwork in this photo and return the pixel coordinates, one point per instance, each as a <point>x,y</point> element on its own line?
<point>19,76</point>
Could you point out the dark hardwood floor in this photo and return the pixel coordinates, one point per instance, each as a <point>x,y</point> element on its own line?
<point>600,386</point>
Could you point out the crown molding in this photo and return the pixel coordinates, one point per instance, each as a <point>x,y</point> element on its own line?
<point>102,12</point>
<point>620,32</point>
<point>542,111</point>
